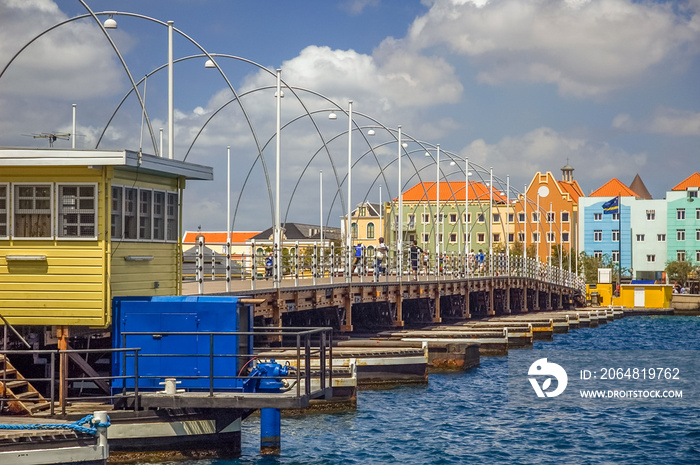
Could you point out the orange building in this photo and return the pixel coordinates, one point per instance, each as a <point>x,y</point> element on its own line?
<point>552,214</point>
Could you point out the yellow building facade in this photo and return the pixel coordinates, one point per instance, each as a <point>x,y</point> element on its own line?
<point>80,227</point>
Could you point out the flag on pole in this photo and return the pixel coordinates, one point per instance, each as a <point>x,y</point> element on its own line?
<point>612,206</point>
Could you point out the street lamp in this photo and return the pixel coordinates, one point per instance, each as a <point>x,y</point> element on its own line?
<point>399,236</point>
<point>110,23</point>
<point>437,208</point>
<point>277,233</point>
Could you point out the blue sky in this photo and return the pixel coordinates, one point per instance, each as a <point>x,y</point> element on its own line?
<point>607,86</point>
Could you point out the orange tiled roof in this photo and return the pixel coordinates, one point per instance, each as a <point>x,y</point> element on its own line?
<point>571,188</point>
<point>691,181</point>
<point>450,192</point>
<point>219,237</point>
<point>613,188</point>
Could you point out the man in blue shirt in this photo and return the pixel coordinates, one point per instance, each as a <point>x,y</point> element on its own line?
<point>359,252</point>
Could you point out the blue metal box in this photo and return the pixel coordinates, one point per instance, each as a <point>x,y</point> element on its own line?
<point>184,357</point>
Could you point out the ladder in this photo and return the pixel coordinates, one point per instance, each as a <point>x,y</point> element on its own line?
<point>19,395</point>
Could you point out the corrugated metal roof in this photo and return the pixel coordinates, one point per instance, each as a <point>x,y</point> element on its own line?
<point>691,181</point>
<point>613,188</point>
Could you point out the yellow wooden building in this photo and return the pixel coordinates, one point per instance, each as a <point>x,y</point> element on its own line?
<point>78,227</point>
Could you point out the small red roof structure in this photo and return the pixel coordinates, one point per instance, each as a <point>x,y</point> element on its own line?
<point>237,237</point>
<point>613,188</point>
<point>691,181</point>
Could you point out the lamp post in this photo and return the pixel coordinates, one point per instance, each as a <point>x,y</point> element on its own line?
<point>525,223</point>
<point>348,244</point>
<point>508,225</point>
<point>490,221</point>
<point>399,246</point>
<point>171,122</point>
<point>277,233</point>
<point>228,224</point>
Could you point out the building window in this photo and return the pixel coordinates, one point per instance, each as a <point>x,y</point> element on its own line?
<point>564,217</point>
<point>130,213</point>
<point>616,256</point>
<point>680,255</point>
<point>426,238</point>
<point>145,213</point>
<point>535,217</point>
<point>697,234</point>
<point>411,237</point>
<point>481,237</point>
<point>680,234</point>
<point>353,230</point>
<point>362,211</point>
<point>496,218</point>
<point>32,210</point>
<point>598,253</point>
<point>616,217</point>
<point>480,218</point>
<point>597,216</point>
<point>158,215</point>
<point>370,228</point>
<point>4,196</point>
<point>453,218</point>
<point>651,215</point>
<point>77,212</point>
<point>453,237</point>
<point>511,237</point>
<point>467,217</point>
<point>597,235</point>
<point>640,237</point>
<point>565,237</point>
<point>440,238</point>
<point>680,213</point>
<point>411,225</point>
<point>117,212</point>
<point>521,237</point>
<point>521,217</point>
<point>511,217</point>
<point>550,217</point>
<point>496,237</point>
<point>426,218</point>
<point>661,237</point>
<point>697,213</point>
<point>535,237</point>
<point>550,237</point>
<point>651,258</point>
<point>171,216</point>
<point>697,255</point>
<point>616,235</point>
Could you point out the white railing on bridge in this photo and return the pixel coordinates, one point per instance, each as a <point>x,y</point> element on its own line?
<point>328,263</point>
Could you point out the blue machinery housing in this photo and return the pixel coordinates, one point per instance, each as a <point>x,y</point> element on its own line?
<point>170,333</point>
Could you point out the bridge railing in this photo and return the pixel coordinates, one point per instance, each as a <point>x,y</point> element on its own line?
<point>304,262</point>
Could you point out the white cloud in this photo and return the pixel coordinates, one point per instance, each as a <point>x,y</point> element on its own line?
<point>69,62</point>
<point>390,79</point>
<point>664,120</point>
<point>355,7</point>
<point>544,149</point>
<point>584,47</point>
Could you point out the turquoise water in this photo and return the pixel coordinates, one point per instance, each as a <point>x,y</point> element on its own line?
<point>464,418</point>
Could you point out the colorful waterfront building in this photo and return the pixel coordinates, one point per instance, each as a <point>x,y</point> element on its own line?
<point>549,216</point>
<point>683,218</point>
<point>603,233</point>
<point>457,228</point>
<point>79,227</point>
<point>367,225</point>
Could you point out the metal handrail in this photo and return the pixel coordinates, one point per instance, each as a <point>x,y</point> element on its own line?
<point>325,347</point>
